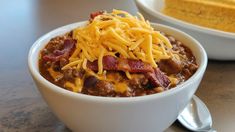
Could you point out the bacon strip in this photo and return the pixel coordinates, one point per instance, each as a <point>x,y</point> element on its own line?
<point>158,78</point>
<point>64,53</point>
<point>139,66</point>
<point>112,63</point>
<point>109,63</point>
<point>95,14</point>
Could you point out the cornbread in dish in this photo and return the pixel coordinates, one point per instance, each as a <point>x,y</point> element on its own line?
<point>216,14</point>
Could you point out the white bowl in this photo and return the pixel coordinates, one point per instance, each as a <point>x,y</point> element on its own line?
<point>85,113</point>
<point>219,45</point>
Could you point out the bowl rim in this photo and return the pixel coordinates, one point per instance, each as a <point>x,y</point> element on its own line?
<point>37,76</point>
<point>184,24</point>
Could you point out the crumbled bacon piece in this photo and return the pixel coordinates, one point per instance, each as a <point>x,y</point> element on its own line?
<point>170,66</point>
<point>95,14</point>
<point>64,53</point>
<point>139,66</point>
<point>109,63</point>
<point>112,63</point>
<point>158,78</point>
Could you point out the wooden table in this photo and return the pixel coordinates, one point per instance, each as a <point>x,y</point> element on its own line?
<point>21,106</point>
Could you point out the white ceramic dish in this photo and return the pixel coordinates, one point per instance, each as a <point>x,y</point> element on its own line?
<point>219,45</point>
<point>84,113</point>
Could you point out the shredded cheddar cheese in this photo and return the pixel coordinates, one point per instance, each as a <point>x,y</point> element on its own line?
<point>117,32</point>
<point>55,75</point>
<point>77,87</point>
<point>121,87</point>
<point>128,75</point>
<point>100,61</point>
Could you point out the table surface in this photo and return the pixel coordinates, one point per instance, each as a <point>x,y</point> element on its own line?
<point>21,106</point>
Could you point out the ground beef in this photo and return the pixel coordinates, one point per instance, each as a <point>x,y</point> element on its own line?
<point>98,87</point>
<point>138,81</point>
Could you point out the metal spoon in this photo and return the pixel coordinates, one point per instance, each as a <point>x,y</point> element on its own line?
<point>196,117</point>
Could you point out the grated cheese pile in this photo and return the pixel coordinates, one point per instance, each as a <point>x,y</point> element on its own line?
<point>118,32</point>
